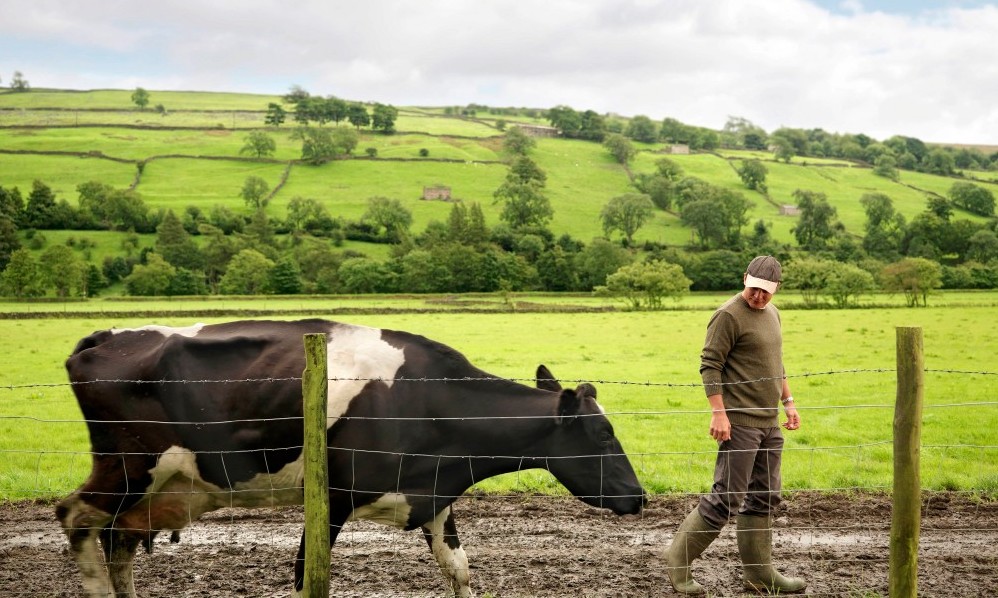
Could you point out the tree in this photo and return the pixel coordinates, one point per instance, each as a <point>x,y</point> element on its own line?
<point>669,169</point>
<point>40,211</point>
<point>357,115</point>
<point>321,145</point>
<point>809,276</point>
<point>817,224</point>
<point>22,276</point>
<point>114,209</point>
<point>887,167</point>
<point>140,98</point>
<point>884,226</point>
<point>846,282</point>
<point>939,161</point>
<point>285,277</point>
<point>753,174</point>
<point>62,269</point>
<point>254,192</point>
<point>706,218</point>
<point>187,282</point>
<point>389,216</point>
<point>657,187</point>
<point>973,198</point>
<point>19,83</point>
<point>715,214</point>
<point>9,241</point>
<point>598,260</point>
<point>175,244</point>
<point>983,246</point>
<point>915,277</point>
<point>524,202</point>
<point>383,118</point>
<point>306,214</point>
<point>421,272</point>
<point>152,278</point>
<point>295,95</point>
<point>643,129</point>
<point>247,274</point>
<point>645,285</point>
<point>620,147</point>
<point>11,204</point>
<point>258,144</point>
<point>276,115</point>
<point>627,213</point>
<point>365,275</point>
<point>516,142</point>
<point>565,119</point>
<point>556,269</point>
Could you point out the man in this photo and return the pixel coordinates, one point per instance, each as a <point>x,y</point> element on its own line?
<point>742,370</point>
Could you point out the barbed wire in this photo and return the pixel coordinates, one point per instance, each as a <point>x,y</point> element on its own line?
<point>642,413</point>
<point>485,379</point>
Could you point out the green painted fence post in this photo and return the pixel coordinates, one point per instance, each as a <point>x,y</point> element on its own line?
<point>906,513</point>
<point>315,395</point>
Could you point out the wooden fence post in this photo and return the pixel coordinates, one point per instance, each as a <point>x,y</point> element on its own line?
<point>906,513</point>
<point>315,395</point>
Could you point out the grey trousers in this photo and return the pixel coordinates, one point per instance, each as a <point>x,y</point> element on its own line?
<point>746,475</point>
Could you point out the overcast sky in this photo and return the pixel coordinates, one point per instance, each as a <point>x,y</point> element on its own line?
<point>926,69</point>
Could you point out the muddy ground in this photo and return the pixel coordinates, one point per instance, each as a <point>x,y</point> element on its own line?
<point>528,546</point>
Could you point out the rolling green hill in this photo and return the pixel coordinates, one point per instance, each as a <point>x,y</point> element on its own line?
<point>192,156</point>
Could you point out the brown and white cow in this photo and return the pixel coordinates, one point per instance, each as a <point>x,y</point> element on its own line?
<point>183,421</point>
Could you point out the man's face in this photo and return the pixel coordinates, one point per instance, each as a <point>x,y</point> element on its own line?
<point>757,298</point>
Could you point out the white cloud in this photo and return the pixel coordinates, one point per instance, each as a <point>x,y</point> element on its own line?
<point>845,68</point>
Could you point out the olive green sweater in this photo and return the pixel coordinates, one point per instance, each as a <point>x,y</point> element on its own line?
<point>742,359</point>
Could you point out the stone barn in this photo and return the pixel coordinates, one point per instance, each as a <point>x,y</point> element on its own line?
<point>437,192</point>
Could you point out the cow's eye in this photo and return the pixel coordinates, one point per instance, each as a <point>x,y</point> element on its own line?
<point>605,437</point>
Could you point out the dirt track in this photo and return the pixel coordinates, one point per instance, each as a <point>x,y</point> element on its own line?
<point>528,546</point>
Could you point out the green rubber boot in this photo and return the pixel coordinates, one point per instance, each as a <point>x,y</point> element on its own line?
<point>755,546</point>
<point>691,539</point>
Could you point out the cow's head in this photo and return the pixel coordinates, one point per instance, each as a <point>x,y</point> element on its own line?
<point>585,455</point>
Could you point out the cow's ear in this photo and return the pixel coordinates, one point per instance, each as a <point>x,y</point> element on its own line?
<point>586,390</point>
<point>546,380</point>
<point>568,406</point>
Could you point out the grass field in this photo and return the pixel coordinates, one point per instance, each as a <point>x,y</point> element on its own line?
<point>841,365</point>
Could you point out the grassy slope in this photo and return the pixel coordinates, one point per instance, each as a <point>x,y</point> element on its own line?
<point>581,176</point>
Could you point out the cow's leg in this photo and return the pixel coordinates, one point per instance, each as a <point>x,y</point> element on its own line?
<point>119,550</point>
<point>336,521</point>
<point>82,523</point>
<point>441,535</point>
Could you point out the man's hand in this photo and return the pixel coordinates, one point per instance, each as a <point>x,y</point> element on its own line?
<point>793,419</point>
<point>720,427</point>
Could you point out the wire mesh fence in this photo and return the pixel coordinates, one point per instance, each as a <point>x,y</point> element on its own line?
<point>525,536</point>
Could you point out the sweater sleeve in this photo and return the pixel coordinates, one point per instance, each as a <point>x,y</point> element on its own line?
<point>720,339</point>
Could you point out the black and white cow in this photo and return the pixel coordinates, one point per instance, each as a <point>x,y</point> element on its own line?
<point>411,426</point>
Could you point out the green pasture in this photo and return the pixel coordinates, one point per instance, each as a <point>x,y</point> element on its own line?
<point>446,147</point>
<point>62,173</point>
<point>344,186</point>
<point>134,118</point>
<point>443,125</point>
<point>121,99</point>
<point>176,183</point>
<point>841,367</point>
<point>581,178</point>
